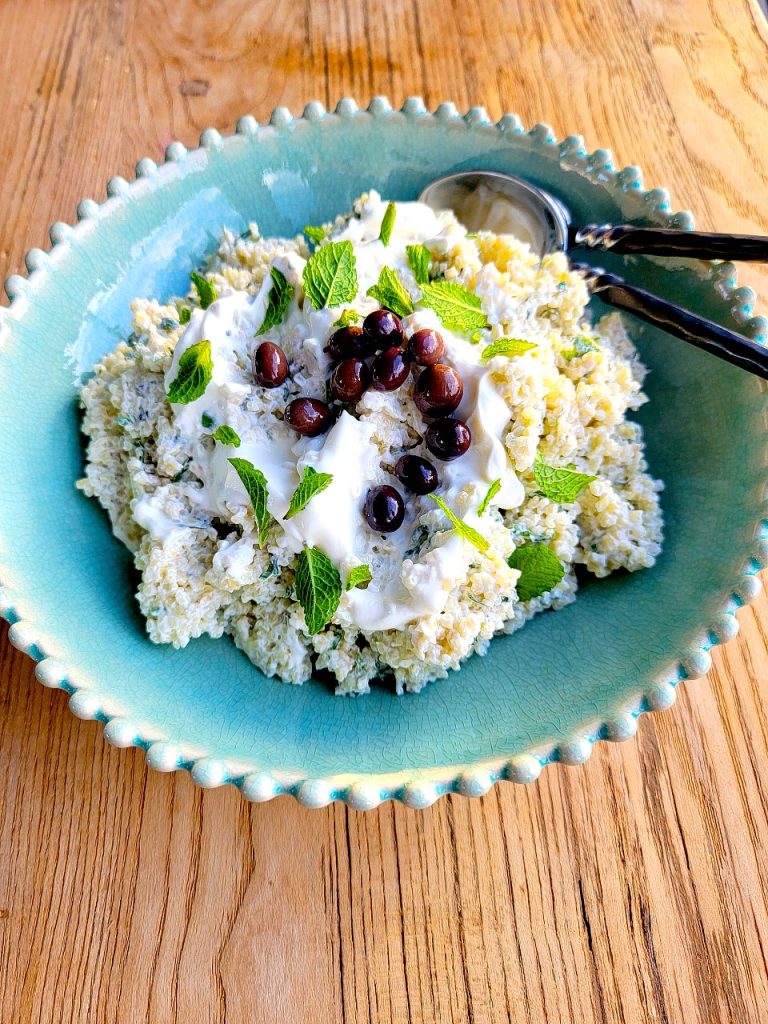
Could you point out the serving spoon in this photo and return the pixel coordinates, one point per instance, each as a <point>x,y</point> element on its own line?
<point>491,201</point>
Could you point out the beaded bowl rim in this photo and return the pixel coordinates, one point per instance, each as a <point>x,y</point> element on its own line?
<point>419,787</point>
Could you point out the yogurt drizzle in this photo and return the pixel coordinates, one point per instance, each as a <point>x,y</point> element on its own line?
<point>402,590</point>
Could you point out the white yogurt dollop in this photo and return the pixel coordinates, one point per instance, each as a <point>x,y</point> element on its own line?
<point>404,588</point>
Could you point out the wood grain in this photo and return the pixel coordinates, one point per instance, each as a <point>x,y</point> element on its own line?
<point>632,889</point>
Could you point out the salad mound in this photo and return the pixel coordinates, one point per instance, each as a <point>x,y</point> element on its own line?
<point>370,448</point>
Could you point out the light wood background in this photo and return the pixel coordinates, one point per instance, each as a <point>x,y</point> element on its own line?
<point>632,889</point>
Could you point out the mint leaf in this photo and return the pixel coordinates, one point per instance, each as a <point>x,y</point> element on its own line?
<point>560,485</point>
<point>185,315</point>
<point>311,483</point>
<point>226,435</point>
<point>387,223</point>
<point>318,588</point>
<point>467,532</point>
<point>314,232</point>
<point>358,577</point>
<point>493,490</point>
<point>255,483</point>
<point>207,420</point>
<point>507,347</point>
<point>580,347</point>
<point>476,336</point>
<point>280,294</point>
<point>330,276</point>
<point>206,293</point>
<point>539,567</point>
<point>348,317</point>
<point>419,259</point>
<point>391,293</point>
<point>193,375</point>
<point>457,307</point>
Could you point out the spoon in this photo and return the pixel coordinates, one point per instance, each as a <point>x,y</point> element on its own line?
<point>491,201</point>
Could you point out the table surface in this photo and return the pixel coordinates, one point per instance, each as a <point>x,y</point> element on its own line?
<point>631,889</point>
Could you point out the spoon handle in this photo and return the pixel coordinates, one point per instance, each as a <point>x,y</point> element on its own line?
<point>727,345</point>
<point>702,245</point>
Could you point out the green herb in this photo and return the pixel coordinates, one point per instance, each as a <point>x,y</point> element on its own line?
<point>518,531</point>
<point>476,336</point>
<point>207,421</point>
<point>315,233</point>
<point>311,483</point>
<point>457,307</point>
<point>580,347</point>
<point>507,347</point>
<point>359,576</point>
<point>255,483</point>
<point>185,315</point>
<point>419,259</point>
<point>493,490</point>
<point>194,374</point>
<point>560,485</point>
<point>318,588</point>
<point>226,435</point>
<point>420,535</point>
<point>330,276</point>
<point>348,317</point>
<point>273,569</point>
<point>168,324</point>
<point>467,532</point>
<point>387,223</point>
<point>206,293</point>
<point>280,294</point>
<point>539,567</point>
<point>391,293</point>
<point>175,479</point>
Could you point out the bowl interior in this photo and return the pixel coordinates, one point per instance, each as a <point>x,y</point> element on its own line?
<point>74,582</point>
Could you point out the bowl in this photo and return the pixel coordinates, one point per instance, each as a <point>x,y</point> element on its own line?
<point>544,694</point>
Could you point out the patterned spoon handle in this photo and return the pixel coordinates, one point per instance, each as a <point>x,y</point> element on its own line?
<point>702,245</point>
<point>682,323</point>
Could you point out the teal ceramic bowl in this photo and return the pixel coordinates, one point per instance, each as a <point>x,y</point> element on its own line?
<point>545,694</point>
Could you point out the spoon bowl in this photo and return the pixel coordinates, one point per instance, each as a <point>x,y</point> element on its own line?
<point>504,203</point>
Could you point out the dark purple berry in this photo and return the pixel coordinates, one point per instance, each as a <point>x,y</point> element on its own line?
<point>426,347</point>
<point>438,390</point>
<point>384,330</point>
<point>384,509</point>
<point>448,438</point>
<point>308,416</point>
<point>417,474</point>
<point>350,378</point>
<point>270,367</point>
<point>347,341</point>
<point>389,369</point>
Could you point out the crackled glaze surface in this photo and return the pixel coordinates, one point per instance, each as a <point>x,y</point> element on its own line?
<point>545,694</point>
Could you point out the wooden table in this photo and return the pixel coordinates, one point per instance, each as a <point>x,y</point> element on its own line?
<point>631,889</point>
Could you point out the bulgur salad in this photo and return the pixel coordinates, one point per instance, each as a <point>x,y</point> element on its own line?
<point>370,448</point>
